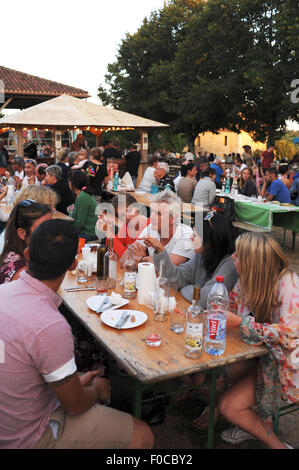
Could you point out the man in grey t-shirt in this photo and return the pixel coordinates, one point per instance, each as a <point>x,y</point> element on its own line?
<point>205,190</point>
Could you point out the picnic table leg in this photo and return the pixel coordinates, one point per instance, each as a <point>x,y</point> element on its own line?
<point>137,399</point>
<point>212,409</point>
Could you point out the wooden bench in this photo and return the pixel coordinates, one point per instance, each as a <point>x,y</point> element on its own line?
<point>248,227</point>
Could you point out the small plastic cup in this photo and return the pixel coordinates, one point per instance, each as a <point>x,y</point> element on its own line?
<point>102,284</point>
<point>82,278</point>
<point>153,340</point>
<point>177,321</point>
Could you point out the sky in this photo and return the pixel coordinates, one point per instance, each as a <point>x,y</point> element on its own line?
<point>69,41</point>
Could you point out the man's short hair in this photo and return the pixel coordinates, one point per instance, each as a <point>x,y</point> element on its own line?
<point>186,168</point>
<point>152,160</point>
<point>217,159</point>
<point>18,161</point>
<point>203,160</point>
<point>53,248</point>
<point>272,171</point>
<point>208,172</point>
<point>54,170</point>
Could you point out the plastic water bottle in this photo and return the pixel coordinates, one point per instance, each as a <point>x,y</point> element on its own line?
<point>218,298</point>
<point>115,182</point>
<point>223,185</point>
<point>227,186</point>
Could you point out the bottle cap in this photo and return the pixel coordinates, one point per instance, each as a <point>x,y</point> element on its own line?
<point>219,279</point>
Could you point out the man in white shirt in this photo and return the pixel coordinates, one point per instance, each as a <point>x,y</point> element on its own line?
<point>166,227</point>
<point>30,177</point>
<point>152,175</point>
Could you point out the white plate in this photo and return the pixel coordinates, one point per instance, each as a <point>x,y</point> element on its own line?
<point>94,302</point>
<point>111,317</point>
<point>140,192</point>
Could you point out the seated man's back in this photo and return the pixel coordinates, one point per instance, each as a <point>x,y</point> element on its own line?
<point>31,326</point>
<point>43,401</point>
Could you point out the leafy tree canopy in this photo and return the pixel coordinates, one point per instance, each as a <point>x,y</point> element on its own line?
<point>207,65</point>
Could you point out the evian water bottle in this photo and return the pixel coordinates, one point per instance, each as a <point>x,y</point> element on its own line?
<point>216,318</point>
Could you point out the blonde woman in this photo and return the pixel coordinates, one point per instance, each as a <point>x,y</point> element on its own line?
<point>38,193</point>
<point>268,313</point>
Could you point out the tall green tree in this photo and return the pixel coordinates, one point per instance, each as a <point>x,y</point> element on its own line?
<point>204,66</point>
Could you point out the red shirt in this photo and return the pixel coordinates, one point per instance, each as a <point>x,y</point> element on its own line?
<point>123,240</point>
<point>268,159</point>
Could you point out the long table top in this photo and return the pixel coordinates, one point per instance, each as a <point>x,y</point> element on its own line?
<point>146,200</point>
<point>150,364</point>
<point>264,214</point>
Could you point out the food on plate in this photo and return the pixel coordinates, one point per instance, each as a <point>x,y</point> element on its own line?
<point>133,319</point>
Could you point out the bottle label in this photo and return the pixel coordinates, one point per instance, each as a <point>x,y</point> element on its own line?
<point>130,282</point>
<point>213,328</point>
<point>193,339</point>
<point>112,269</point>
<point>216,328</point>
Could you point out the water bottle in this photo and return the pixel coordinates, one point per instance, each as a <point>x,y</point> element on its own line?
<point>227,186</point>
<point>167,187</point>
<point>115,182</point>
<point>216,318</point>
<point>223,185</point>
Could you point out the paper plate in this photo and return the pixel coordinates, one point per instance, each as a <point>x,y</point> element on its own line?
<point>111,317</point>
<point>95,301</point>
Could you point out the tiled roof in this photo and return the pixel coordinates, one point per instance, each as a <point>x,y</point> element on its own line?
<point>24,84</point>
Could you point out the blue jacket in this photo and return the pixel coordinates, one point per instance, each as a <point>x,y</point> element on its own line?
<point>293,189</point>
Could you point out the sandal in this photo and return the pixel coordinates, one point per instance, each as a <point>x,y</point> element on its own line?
<point>202,421</point>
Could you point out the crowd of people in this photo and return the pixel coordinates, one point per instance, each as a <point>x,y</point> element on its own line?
<point>201,174</point>
<point>46,402</point>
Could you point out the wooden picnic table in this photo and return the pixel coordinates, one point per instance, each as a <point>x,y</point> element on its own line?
<point>150,365</point>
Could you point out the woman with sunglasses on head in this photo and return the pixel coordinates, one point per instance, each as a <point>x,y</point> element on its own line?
<point>267,296</point>
<point>25,217</point>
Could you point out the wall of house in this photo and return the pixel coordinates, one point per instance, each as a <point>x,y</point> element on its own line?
<point>226,142</point>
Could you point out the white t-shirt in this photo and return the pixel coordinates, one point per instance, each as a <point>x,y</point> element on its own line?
<point>180,244</point>
<point>25,181</point>
<point>176,181</point>
<point>20,174</point>
<point>148,179</point>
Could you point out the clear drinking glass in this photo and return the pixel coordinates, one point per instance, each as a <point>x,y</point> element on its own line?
<point>82,277</point>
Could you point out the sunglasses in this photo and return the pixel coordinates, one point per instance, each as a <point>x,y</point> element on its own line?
<point>209,215</point>
<point>24,203</point>
<point>33,162</point>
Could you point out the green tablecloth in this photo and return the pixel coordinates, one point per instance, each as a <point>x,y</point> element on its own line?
<point>267,215</point>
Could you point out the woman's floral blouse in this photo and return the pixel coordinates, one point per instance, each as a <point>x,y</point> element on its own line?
<point>11,264</point>
<point>278,371</point>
